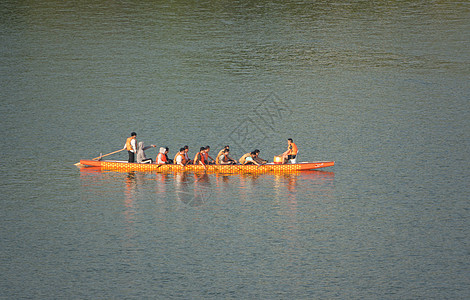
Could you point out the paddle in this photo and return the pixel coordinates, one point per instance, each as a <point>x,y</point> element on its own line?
<point>101,156</point>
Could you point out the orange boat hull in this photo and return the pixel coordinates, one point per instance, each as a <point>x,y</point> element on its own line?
<point>125,166</point>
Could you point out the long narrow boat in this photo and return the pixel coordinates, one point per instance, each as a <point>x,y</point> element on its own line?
<point>269,167</point>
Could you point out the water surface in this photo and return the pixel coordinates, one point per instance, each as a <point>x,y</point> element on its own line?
<point>379,87</point>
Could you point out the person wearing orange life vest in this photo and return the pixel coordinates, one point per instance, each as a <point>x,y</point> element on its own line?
<point>180,158</point>
<point>161,157</point>
<point>130,146</point>
<point>199,157</point>
<point>291,152</point>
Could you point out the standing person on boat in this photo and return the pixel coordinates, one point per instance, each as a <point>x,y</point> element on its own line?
<point>291,152</point>
<point>161,157</point>
<point>221,152</point>
<point>207,156</point>
<point>130,145</point>
<point>141,158</point>
<point>199,157</point>
<point>259,160</point>
<point>250,160</point>
<point>225,159</point>
<point>180,158</point>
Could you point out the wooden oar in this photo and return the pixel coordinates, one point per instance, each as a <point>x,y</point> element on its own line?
<point>99,157</point>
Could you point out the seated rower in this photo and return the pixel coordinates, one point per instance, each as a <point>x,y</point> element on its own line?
<point>291,152</point>
<point>221,152</point>
<point>199,157</point>
<point>207,156</point>
<point>259,160</point>
<point>180,158</point>
<point>161,157</point>
<point>250,160</point>
<point>225,159</point>
<point>169,161</point>
<point>141,158</point>
<point>186,156</point>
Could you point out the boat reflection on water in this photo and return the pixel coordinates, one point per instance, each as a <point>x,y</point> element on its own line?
<point>196,188</point>
<point>192,189</point>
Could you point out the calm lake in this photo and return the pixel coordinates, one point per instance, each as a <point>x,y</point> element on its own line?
<point>380,87</point>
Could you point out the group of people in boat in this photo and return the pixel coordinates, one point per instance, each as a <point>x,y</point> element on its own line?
<point>136,153</point>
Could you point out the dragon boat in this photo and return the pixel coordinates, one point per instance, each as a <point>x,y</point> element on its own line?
<point>115,165</point>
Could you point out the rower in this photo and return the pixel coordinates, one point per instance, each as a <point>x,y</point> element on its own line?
<point>186,156</point>
<point>225,159</point>
<point>168,160</point>
<point>207,156</point>
<point>180,158</point>
<point>199,157</point>
<point>258,159</point>
<point>141,158</point>
<point>161,157</point>
<point>243,158</point>
<point>250,160</point>
<point>221,152</point>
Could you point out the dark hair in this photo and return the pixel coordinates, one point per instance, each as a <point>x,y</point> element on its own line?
<point>208,147</point>
<point>167,149</point>
<point>256,151</point>
<point>290,140</point>
<point>227,146</point>
<point>186,147</point>
<point>253,153</point>
<point>226,150</point>
<point>182,149</point>
<point>133,133</point>
<point>202,148</point>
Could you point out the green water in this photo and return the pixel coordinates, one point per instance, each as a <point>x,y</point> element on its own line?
<point>380,87</point>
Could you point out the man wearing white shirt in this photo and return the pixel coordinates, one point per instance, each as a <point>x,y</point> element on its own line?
<point>130,145</point>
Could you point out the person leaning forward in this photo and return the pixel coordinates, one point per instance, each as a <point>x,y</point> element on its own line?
<point>250,160</point>
<point>243,158</point>
<point>199,157</point>
<point>225,159</point>
<point>221,152</point>
<point>258,159</point>
<point>131,146</point>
